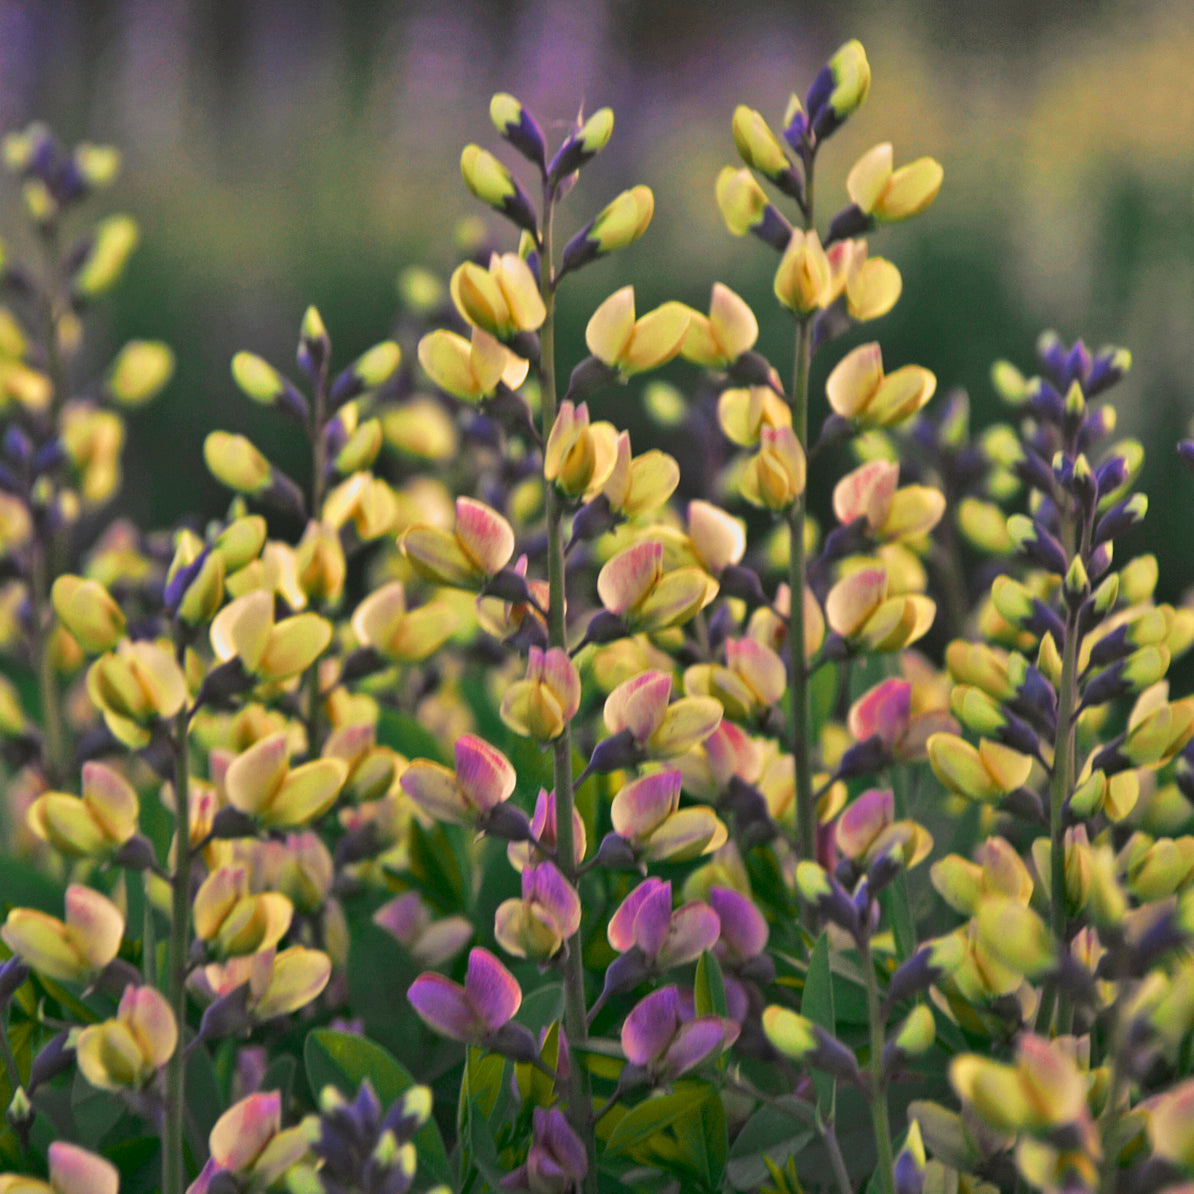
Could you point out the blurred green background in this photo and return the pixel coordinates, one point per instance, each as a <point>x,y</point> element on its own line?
<point>286,152</point>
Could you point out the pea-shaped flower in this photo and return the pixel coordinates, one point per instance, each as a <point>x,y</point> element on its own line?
<point>556,1161</point>
<point>664,936</point>
<point>543,703</point>
<point>480,546</point>
<point>886,194</point>
<point>248,1143</point>
<point>93,826</point>
<point>74,950</point>
<point>987,772</point>
<point>135,686</point>
<point>717,340</point>
<point>867,830</point>
<point>656,1036</point>
<point>774,477</point>
<point>398,634</point>
<point>579,456</point>
<point>472,1013</point>
<point>483,779</point>
<point>859,609</point>
<point>871,285</point>
<point>886,712</point>
<point>860,391</point>
<point>749,685</point>
<point>279,983</point>
<point>73,1170</point>
<point>661,730</point>
<point>234,920</point>
<point>891,514</point>
<point>547,914</point>
<point>647,815</point>
<point>803,281</point>
<point>245,630</point>
<point>470,369</point>
<point>127,1051</point>
<point>430,942</point>
<point>502,300</point>
<point>634,586</point>
<point>629,345</point>
<point>638,485</point>
<point>543,831</point>
<point>261,783</point>
<point>744,208</point>
<point>87,610</point>
<point>744,412</point>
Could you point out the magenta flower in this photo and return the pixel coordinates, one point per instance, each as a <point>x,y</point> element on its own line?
<point>538,924</point>
<point>665,937</point>
<point>472,1013</point>
<point>556,1162</point>
<point>483,779</point>
<point>657,1037</point>
<point>743,928</point>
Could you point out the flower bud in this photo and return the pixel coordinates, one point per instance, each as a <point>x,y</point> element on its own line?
<point>139,372</point>
<point>490,181</point>
<point>113,242</point>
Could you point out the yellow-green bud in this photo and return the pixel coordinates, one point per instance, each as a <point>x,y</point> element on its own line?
<point>234,461</point>
<point>141,369</point>
<point>115,239</point>
<point>852,79</point>
<point>87,610</point>
<point>97,164</point>
<point>257,378</point>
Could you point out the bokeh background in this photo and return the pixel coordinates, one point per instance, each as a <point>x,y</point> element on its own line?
<point>286,152</point>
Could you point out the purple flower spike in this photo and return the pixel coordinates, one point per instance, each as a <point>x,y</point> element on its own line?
<point>489,998</point>
<point>621,925</point>
<point>743,928</point>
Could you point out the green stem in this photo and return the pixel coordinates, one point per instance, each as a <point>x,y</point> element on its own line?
<point>575,1012</point>
<point>53,748</point>
<point>878,1082</point>
<point>173,1161</point>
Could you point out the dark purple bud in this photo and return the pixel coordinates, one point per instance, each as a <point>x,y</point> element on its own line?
<point>1035,697</point>
<point>1034,471</point>
<point>507,822</point>
<point>1019,735</point>
<point>834,430</point>
<point>1108,685</point>
<point>616,854</point>
<point>364,661</point>
<point>1044,401</point>
<point>17,445</point>
<point>136,854</point>
<point>830,323</point>
<point>850,221</point>
<point>1185,449</point>
<point>223,682</point>
<point>884,869</point>
<point>819,93</point>
<point>509,586</point>
<point>513,1040</point>
<point>13,974</point>
<point>739,581</point>
<point>50,457</point>
<point>55,1057</point>
<point>605,627</point>
<point>1110,760</point>
<point>795,129</point>
<point>178,584</point>
<point>227,1016</point>
<point>759,969</point>
<point>1044,621</point>
<point>909,1178</point>
<point>832,1057</point>
<point>527,137</point>
<point>625,972</point>
<point>1052,354</point>
<point>284,495</point>
<point>589,376</point>
<point>851,539</point>
<point>1183,772</point>
<point>1108,366</point>
<point>616,752</point>
<point>359,843</point>
<point>593,519</point>
<point>580,250</point>
<point>863,758</point>
<point>1025,804</point>
<point>773,229</point>
<point>230,823</point>
<point>1112,646</point>
<point>1077,365</point>
<point>754,369</point>
<point>1099,561</point>
<point>1120,518</point>
<point>912,977</point>
<point>1111,474</point>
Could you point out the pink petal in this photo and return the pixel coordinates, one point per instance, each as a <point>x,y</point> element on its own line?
<point>743,927</point>
<point>620,931</point>
<point>652,921</point>
<point>695,1041</point>
<point>445,1008</point>
<point>626,579</point>
<point>644,804</point>
<point>492,990</point>
<point>638,704</point>
<point>692,929</point>
<point>484,534</point>
<point>484,774</point>
<point>884,710</point>
<point>651,1025</point>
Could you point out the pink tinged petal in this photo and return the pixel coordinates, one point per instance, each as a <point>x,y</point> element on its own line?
<point>68,825</point>
<point>445,1008</point>
<point>854,599</point>
<point>651,1026</point>
<point>884,710</point>
<point>555,1139</point>
<point>151,1022</point>
<point>492,990</point>
<point>730,751</point>
<point>405,918</point>
<point>483,773</point>
<point>74,1170</point>
<point>561,676</point>
<point>202,1184</point>
<point>484,534</point>
<point>866,493</point>
<point>243,1131</point>
<point>692,929</point>
<point>45,944</point>
<point>697,1040</point>
<point>863,820</point>
<point>743,926</point>
<point>644,804</point>
<point>854,380</point>
<point>638,704</point>
<point>652,920</point>
<point>678,596</point>
<point>438,555</point>
<point>626,580</point>
<point>759,666</point>
<point>242,628</point>
<point>111,800</point>
<point>433,788</point>
<point>442,941</point>
<point>254,776</point>
<point>620,930</point>
<point>546,886</point>
<point>95,923</point>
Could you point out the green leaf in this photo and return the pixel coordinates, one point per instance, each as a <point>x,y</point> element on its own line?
<point>816,1004</point>
<point>480,1085</point>
<point>770,1132</point>
<point>709,988</point>
<point>405,735</point>
<point>433,868</point>
<point>704,1141</point>
<point>650,1117</point>
<point>344,1060</point>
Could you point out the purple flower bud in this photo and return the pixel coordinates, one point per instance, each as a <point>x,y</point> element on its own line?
<point>54,1057</point>
<point>1044,401</point>
<point>1120,518</point>
<point>13,974</point>
<point>850,221</point>
<point>226,1016</point>
<point>1185,449</point>
<point>616,752</point>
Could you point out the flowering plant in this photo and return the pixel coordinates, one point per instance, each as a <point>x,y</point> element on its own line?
<point>667,771</point>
